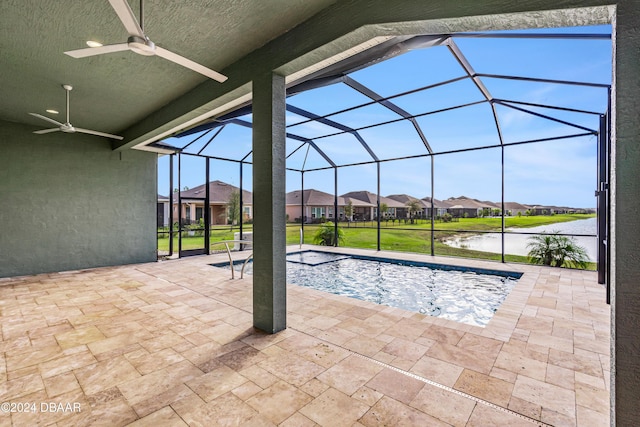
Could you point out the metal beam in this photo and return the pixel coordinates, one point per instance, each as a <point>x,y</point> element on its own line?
<point>539,80</point>
<point>187,146</point>
<point>390,105</point>
<point>210,140</point>
<point>551,107</point>
<point>544,116</point>
<point>461,150</point>
<point>442,110</point>
<point>366,104</point>
<point>331,123</point>
<point>464,63</point>
<point>589,36</point>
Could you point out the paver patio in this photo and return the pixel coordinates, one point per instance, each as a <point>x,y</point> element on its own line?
<point>172,343</point>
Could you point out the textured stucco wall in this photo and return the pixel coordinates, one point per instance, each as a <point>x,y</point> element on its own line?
<point>269,178</point>
<point>625,196</point>
<point>68,202</point>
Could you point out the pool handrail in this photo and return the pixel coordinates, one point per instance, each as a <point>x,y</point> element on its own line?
<point>226,245</point>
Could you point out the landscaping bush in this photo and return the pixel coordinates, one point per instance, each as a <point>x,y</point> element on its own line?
<point>325,235</point>
<point>556,251</point>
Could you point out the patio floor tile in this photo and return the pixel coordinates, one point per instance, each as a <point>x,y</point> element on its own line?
<point>172,343</point>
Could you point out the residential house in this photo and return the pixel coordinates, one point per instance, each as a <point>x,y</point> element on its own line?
<point>220,195</point>
<point>463,207</point>
<point>163,211</point>
<point>543,210</point>
<point>441,207</point>
<point>405,199</point>
<point>515,208</point>
<point>369,210</point>
<point>310,205</point>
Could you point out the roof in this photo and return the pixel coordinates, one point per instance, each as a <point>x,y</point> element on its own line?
<point>311,197</point>
<point>515,206</point>
<point>464,202</point>
<point>437,203</point>
<point>405,199</point>
<point>371,198</point>
<point>219,193</point>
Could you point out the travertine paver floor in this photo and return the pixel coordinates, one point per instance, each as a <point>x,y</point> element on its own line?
<point>172,343</point>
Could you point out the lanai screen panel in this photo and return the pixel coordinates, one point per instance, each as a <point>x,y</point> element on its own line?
<point>328,99</point>
<point>302,156</point>
<point>444,96</point>
<point>233,142</point>
<point>363,117</point>
<point>462,128</point>
<point>560,172</point>
<point>576,59</point>
<point>344,149</point>
<point>393,140</point>
<point>412,70</point>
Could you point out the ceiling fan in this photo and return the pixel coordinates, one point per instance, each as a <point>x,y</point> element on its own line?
<point>139,43</point>
<point>67,127</point>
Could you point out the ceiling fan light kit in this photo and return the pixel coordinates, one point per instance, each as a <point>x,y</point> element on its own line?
<point>139,43</point>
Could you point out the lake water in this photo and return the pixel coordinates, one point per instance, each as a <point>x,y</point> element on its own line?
<point>515,244</point>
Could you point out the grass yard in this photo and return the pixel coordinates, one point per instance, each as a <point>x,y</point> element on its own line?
<point>417,237</point>
<point>218,233</point>
<point>402,237</point>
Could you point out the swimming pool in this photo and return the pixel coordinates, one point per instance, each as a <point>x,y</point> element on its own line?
<point>457,293</point>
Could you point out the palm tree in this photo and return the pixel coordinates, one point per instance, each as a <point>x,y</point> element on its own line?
<point>556,251</point>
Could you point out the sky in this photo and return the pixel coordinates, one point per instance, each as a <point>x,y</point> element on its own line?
<point>560,172</point>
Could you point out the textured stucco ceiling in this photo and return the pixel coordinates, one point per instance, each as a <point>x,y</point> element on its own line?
<point>148,98</point>
<point>114,91</point>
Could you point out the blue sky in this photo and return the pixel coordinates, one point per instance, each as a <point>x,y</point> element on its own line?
<point>561,172</point>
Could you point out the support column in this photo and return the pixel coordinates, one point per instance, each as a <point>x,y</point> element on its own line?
<point>269,232</point>
<point>625,224</point>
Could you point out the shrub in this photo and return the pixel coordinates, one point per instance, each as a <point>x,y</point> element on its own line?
<point>447,217</point>
<point>325,235</point>
<point>556,251</point>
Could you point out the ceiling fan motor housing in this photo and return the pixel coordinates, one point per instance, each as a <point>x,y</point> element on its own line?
<point>141,46</point>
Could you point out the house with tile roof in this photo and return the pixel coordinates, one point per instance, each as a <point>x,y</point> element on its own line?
<point>464,206</point>
<point>440,207</point>
<point>515,208</point>
<point>163,211</point>
<point>192,203</point>
<point>405,199</point>
<point>312,205</point>
<point>368,211</point>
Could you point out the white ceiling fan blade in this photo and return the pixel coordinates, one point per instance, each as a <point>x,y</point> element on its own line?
<point>91,51</point>
<point>127,17</point>
<point>40,116</point>
<point>40,132</point>
<point>95,132</point>
<point>181,60</point>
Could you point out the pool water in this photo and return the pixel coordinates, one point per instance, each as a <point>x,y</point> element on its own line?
<point>454,293</point>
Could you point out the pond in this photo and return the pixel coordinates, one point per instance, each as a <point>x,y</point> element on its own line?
<point>517,244</point>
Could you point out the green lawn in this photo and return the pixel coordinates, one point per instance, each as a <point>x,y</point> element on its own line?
<point>218,233</point>
<point>402,237</point>
<point>417,237</point>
